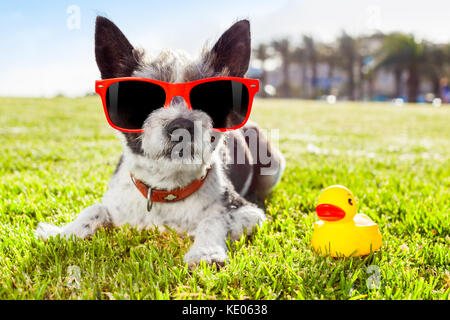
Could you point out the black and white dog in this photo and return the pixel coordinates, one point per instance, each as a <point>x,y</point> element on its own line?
<point>223,206</point>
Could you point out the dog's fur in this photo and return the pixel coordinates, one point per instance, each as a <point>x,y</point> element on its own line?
<point>221,207</point>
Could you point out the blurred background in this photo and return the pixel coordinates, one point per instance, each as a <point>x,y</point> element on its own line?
<point>395,51</point>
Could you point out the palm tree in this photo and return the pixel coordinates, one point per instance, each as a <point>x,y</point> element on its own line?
<point>436,64</point>
<point>328,55</point>
<point>283,48</point>
<point>401,52</point>
<point>298,56</point>
<point>366,72</point>
<point>262,54</point>
<point>311,55</point>
<point>349,54</point>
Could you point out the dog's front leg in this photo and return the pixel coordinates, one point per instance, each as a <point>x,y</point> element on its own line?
<point>209,242</point>
<point>245,219</point>
<point>89,220</point>
<point>212,232</point>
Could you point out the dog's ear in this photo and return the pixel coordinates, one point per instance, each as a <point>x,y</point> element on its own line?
<point>114,54</point>
<point>232,50</point>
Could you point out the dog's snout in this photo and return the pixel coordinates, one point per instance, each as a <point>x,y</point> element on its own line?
<point>180,123</point>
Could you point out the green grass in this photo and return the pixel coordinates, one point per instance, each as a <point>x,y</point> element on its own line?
<point>56,157</point>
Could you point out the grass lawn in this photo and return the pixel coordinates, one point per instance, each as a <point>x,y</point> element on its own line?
<point>56,157</point>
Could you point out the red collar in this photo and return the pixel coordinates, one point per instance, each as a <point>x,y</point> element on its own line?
<point>154,195</point>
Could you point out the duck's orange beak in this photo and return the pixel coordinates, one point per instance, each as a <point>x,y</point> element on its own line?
<point>329,212</point>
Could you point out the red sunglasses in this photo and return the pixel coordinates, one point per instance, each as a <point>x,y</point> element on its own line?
<point>127,102</point>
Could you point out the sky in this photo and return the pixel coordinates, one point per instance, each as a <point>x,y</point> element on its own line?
<point>47,46</point>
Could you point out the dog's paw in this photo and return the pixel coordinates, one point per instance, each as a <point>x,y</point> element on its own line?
<point>246,218</point>
<point>46,230</point>
<point>257,217</point>
<point>211,255</point>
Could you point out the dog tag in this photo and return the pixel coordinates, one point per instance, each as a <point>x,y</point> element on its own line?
<point>170,197</point>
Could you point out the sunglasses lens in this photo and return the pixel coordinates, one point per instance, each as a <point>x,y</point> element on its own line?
<point>130,102</point>
<point>225,101</point>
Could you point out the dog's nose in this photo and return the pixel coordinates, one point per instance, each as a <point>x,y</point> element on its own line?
<point>180,123</point>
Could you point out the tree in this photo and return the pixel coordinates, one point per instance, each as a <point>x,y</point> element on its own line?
<point>311,56</point>
<point>262,54</point>
<point>366,48</point>
<point>401,52</point>
<point>298,56</point>
<point>436,64</point>
<point>348,51</point>
<point>283,48</point>
<point>328,55</point>
<point>389,58</point>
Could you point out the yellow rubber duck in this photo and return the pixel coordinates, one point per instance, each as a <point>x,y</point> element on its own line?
<point>341,231</point>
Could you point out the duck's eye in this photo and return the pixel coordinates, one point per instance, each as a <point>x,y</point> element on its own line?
<point>350,201</point>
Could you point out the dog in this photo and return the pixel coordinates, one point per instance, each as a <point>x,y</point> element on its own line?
<point>225,206</point>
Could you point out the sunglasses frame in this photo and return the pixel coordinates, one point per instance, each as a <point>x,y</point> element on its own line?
<point>177,89</point>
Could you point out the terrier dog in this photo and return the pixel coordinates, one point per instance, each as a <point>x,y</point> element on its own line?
<point>222,204</point>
